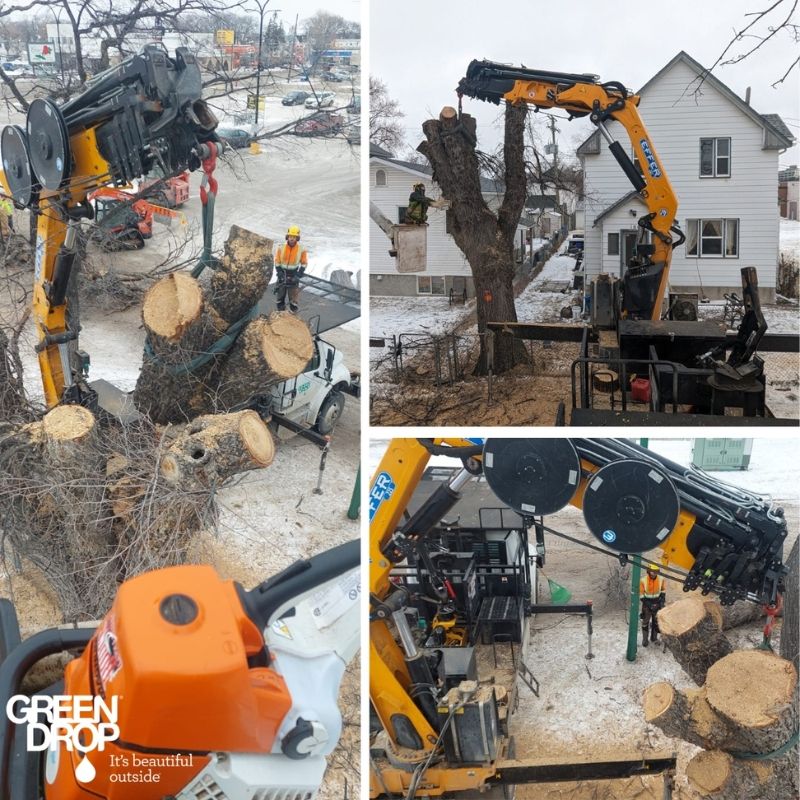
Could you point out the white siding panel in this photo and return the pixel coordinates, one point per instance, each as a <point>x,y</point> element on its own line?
<point>676,120</point>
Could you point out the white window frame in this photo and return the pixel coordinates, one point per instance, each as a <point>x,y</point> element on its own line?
<point>432,279</point>
<point>730,229</point>
<point>715,157</point>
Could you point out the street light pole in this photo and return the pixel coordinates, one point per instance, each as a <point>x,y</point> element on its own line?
<point>261,7</point>
<point>58,37</point>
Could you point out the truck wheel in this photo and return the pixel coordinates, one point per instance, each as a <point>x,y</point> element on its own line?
<point>330,412</point>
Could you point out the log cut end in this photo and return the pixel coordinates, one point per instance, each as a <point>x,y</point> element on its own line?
<point>681,616</point>
<point>246,247</point>
<point>287,344</point>
<point>172,304</point>
<point>68,424</point>
<point>656,699</point>
<point>709,772</point>
<point>257,438</point>
<point>751,687</point>
<point>448,112</point>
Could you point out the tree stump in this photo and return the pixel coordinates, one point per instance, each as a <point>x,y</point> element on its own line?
<point>790,630</point>
<point>693,637</point>
<point>269,350</point>
<point>242,275</point>
<point>213,448</point>
<point>715,774</point>
<point>605,381</point>
<point>746,705</point>
<point>70,438</point>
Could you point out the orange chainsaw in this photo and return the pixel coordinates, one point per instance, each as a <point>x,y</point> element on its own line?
<point>190,688</point>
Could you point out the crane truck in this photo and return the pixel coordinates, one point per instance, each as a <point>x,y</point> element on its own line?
<point>441,591</point>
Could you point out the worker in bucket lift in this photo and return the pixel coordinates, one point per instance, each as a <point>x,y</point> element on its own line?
<point>417,211</point>
<point>652,593</point>
<point>290,263</point>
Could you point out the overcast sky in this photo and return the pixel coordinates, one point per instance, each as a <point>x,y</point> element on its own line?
<point>421,48</point>
<point>349,9</point>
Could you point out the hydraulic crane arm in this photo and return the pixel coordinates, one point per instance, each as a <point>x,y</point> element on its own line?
<point>581,95</point>
<point>146,112</point>
<point>713,536</point>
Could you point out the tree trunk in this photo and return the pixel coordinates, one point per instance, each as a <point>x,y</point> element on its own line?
<point>746,705</point>
<point>212,448</point>
<point>269,350</point>
<point>790,629</point>
<point>486,239</point>
<point>740,613</point>
<point>715,774</point>
<point>693,637</point>
<point>242,275</point>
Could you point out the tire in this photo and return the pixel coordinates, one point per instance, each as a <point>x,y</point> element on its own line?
<point>330,412</point>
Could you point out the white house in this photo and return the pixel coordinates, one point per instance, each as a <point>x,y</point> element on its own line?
<point>391,181</point>
<point>721,157</point>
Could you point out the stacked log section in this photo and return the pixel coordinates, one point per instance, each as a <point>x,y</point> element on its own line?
<point>242,274</point>
<point>213,448</point>
<point>180,327</point>
<point>693,637</point>
<point>269,350</point>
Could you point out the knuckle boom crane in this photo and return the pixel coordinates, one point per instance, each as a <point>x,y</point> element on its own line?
<point>582,95</point>
<point>713,536</point>
<point>145,113</point>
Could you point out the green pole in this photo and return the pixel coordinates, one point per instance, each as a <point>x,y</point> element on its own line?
<point>633,626</point>
<point>355,500</point>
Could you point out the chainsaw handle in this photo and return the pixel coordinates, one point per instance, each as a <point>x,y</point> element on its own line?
<point>269,600</point>
<point>13,670</point>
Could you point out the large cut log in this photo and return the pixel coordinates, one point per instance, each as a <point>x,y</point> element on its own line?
<point>693,636</point>
<point>180,327</point>
<point>746,705</point>
<point>739,613</point>
<point>269,350</point>
<point>212,448</point>
<point>242,274</point>
<point>718,775</point>
<point>790,630</point>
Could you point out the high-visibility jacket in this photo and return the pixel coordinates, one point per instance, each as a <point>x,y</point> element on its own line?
<point>651,588</point>
<point>6,206</point>
<point>291,258</point>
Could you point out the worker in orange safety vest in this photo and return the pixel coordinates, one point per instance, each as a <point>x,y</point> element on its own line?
<point>290,264</point>
<point>652,593</point>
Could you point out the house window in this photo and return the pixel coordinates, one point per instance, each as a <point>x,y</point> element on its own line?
<point>380,177</point>
<point>712,238</point>
<point>430,284</point>
<point>715,158</point>
<point>613,244</point>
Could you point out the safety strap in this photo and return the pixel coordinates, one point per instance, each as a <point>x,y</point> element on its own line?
<point>768,756</point>
<point>222,345</point>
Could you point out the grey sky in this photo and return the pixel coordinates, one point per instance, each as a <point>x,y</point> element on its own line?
<point>421,50</point>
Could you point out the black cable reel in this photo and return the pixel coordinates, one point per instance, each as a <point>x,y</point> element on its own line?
<point>630,506</point>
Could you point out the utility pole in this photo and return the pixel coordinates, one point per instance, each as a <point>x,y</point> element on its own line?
<point>555,167</point>
<point>262,7</point>
<point>291,49</point>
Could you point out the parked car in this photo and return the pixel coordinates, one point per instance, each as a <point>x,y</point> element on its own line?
<point>295,98</point>
<point>323,123</point>
<point>235,137</point>
<point>322,100</point>
<point>355,105</point>
<point>337,76</point>
<point>354,134</point>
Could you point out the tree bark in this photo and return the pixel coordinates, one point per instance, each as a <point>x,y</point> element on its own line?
<point>242,275</point>
<point>747,705</point>
<point>715,774</point>
<point>486,239</point>
<point>212,448</point>
<point>693,637</point>
<point>269,350</point>
<point>790,629</point>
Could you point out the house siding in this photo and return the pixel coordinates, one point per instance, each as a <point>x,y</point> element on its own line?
<point>676,121</point>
